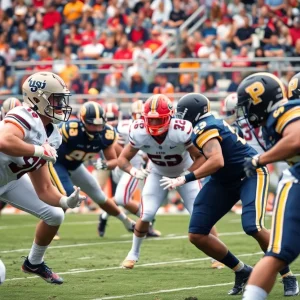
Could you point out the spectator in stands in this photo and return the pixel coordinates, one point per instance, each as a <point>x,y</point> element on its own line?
<point>111,8</point>
<point>161,12</point>
<point>239,20</point>
<point>77,84</point>
<point>287,76</point>
<point>262,65</point>
<point>243,36</point>
<point>17,44</point>
<point>217,57</point>
<point>277,6</point>
<point>8,87</point>
<point>242,58</point>
<point>73,39</point>
<point>154,42</point>
<point>123,52</point>
<point>207,48</point>
<point>177,15</point>
<point>187,84</point>
<point>137,84</point>
<point>99,12</point>
<point>185,53</point>
<point>51,17</point>
<point>193,46</point>
<point>216,12</point>
<point>22,31</point>
<point>95,81</point>
<point>9,55</point>
<point>73,12</point>
<point>69,72</point>
<point>153,84</point>
<point>172,77</point>
<point>93,50</point>
<point>164,87</point>
<point>190,6</point>
<point>295,32</point>
<point>2,68</point>
<point>43,54</point>
<point>296,53</point>
<point>235,7</point>
<point>114,83</point>
<point>236,80</point>
<point>225,31</point>
<point>108,51</point>
<point>209,84</point>
<point>117,22</point>
<point>209,29</point>
<point>58,37</point>
<point>39,34</point>
<point>274,49</point>
<point>88,34</point>
<point>263,32</point>
<point>138,32</point>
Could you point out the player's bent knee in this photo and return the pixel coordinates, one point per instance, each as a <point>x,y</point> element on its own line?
<point>250,229</point>
<point>55,217</point>
<point>147,217</point>
<point>197,239</point>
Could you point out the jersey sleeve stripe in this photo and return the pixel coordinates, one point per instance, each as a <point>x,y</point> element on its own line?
<point>286,118</point>
<point>19,119</point>
<point>205,137</point>
<point>16,124</point>
<point>55,179</point>
<point>64,131</point>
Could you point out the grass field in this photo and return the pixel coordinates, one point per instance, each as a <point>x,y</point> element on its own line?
<point>170,268</point>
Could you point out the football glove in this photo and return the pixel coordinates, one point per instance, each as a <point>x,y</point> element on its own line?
<point>74,200</point>
<point>100,164</point>
<point>140,174</point>
<point>45,152</point>
<point>172,183</point>
<point>251,164</point>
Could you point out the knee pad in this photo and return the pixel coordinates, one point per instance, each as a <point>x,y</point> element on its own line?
<point>54,217</point>
<point>147,217</point>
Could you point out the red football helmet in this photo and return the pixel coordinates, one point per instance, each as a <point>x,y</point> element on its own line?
<point>112,113</point>
<point>158,110</point>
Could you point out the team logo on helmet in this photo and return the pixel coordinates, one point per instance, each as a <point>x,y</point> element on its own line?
<point>35,85</point>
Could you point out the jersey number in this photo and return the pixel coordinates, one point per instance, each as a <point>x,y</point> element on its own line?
<point>166,161</point>
<point>73,131</point>
<point>199,128</point>
<point>179,124</point>
<point>255,90</point>
<point>31,164</point>
<point>239,139</point>
<point>79,155</point>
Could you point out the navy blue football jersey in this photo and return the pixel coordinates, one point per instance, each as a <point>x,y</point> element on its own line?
<point>77,147</point>
<point>275,125</point>
<point>234,148</point>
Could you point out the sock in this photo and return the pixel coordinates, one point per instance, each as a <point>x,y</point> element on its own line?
<point>104,216</point>
<point>121,216</point>
<point>286,272</point>
<point>254,292</point>
<point>232,262</point>
<point>134,253</point>
<point>127,222</point>
<point>138,213</point>
<point>36,254</point>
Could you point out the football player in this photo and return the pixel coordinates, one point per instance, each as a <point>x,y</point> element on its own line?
<point>262,101</point>
<point>294,87</point>
<point>126,184</point>
<point>82,140</point>
<point>225,152</point>
<point>7,105</point>
<point>28,139</point>
<point>167,142</point>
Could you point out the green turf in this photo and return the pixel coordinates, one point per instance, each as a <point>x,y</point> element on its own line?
<point>177,270</point>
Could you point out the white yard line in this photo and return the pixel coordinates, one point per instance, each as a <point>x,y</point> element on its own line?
<point>118,242</point>
<point>182,261</point>
<point>166,291</point>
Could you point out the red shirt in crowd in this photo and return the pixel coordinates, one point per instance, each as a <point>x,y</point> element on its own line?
<point>153,44</point>
<point>45,67</point>
<point>67,39</point>
<point>51,18</point>
<point>295,34</point>
<point>38,3</point>
<point>87,37</point>
<point>123,54</point>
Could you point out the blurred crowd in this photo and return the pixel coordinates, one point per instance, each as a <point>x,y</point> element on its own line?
<point>59,32</point>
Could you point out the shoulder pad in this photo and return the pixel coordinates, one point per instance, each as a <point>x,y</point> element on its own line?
<point>70,129</point>
<point>109,135</point>
<point>138,133</point>
<point>180,131</point>
<point>23,117</point>
<point>55,139</point>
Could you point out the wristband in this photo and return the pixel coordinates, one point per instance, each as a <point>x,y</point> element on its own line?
<point>38,151</point>
<point>190,177</point>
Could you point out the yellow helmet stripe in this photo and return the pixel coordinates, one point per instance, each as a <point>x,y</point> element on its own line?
<point>154,103</point>
<point>97,112</point>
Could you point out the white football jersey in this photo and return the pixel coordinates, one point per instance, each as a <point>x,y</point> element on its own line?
<point>250,138</point>
<point>123,131</point>
<point>170,158</point>
<point>12,168</point>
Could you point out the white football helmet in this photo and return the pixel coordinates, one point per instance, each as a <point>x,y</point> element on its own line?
<point>9,104</point>
<point>230,103</point>
<point>48,95</point>
<point>137,109</point>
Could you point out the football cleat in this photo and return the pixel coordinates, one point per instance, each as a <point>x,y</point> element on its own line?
<point>216,264</point>
<point>130,225</point>
<point>290,285</point>
<point>153,233</point>
<point>241,279</point>
<point>43,271</point>
<point>56,237</point>
<point>128,263</point>
<point>102,226</point>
